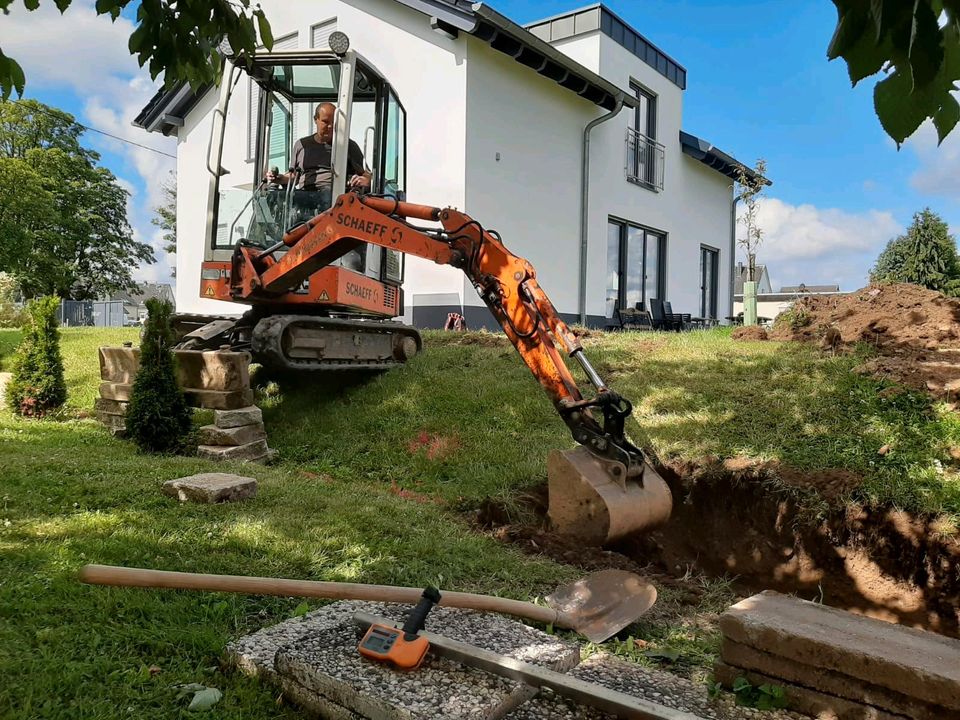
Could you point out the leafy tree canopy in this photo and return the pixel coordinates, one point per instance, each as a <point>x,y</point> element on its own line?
<point>63,218</point>
<point>917,45</point>
<point>926,255</point>
<point>179,38</point>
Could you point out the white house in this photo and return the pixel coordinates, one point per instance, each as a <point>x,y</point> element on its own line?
<point>499,119</point>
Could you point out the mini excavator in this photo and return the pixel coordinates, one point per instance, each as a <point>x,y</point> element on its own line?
<point>323,277</point>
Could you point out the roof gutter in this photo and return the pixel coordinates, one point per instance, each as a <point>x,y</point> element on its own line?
<point>585,202</point>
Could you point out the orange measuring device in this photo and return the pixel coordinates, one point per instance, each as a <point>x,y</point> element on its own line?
<point>402,647</point>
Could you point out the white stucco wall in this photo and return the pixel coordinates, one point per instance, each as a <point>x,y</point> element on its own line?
<point>523,167</point>
<point>428,71</point>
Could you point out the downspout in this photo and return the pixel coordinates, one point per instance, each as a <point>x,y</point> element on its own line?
<point>585,202</point>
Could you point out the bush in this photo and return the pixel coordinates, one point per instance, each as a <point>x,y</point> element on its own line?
<point>10,314</point>
<point>158,418</point>
<point>37,387</point>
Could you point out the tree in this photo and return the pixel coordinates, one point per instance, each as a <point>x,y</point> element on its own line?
<point>752,184</point>
<point>179,38</point>
<point>165,215</point>
<point>917,45</point>
<point>11,315</point>
<point>37,386</point>
<point>926,255</point>
<point>63,217</point>
<point>158,418</point>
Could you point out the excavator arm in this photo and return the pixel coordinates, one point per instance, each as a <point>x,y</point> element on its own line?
<point>506,283</point>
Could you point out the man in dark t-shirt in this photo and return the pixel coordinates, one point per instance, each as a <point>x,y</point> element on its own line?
<point>312,156</point>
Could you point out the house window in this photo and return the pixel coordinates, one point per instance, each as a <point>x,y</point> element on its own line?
<point>644,153</point>
<point>288,42</point>
<point>321,32</point>
<point>709,271</point>
<point>634,265</point>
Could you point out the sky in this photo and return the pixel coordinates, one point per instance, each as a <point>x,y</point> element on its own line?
<point>758,85</point>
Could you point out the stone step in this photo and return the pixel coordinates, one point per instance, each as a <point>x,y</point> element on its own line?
<point>251,452</point>
<point>915,663</point>
<point>747,659</point>
<point>237,417</point>
<point>222,370</point>
<point>210,399</point>
<point>112,407</point>
<point>211,488</point>
<point>242,435</point>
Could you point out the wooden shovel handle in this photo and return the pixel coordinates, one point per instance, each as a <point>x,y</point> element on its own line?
<point>141,577</point>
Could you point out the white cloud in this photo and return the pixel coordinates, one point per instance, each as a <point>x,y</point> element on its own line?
<point>817,246</point>
<point>939,171</point>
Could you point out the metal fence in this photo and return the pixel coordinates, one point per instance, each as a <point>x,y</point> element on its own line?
<point>98,313</point>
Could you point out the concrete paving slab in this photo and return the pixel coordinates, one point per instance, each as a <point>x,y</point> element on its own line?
<point>212,435</point>
<point>249,415</point>
<point>317,659</point>
<point>218,399</point>
<point>5,377</point>
<point>251,452</point>
<point>912,662</point>
<point>111,407</point>
<point>211,488</point>
<point>831,683</point>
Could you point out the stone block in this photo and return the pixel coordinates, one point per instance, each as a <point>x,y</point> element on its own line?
<point>242,435</point>
<point>211,488</point>
<point>119,364</point>
<point>112,407</point>
<point>830,683</point>
<point>112,421</point>
<point>250,452</point>
<point>804,700</point>
<point>221,370</point>
<point>912,662</point>
<point>219,399</point>
<point>249,415</point>
<point>5,378</point>
<point>115,391</point>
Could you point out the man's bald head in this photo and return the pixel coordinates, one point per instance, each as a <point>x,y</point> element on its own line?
<point>323,117</point>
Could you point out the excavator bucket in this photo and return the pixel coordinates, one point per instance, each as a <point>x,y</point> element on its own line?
<point>590,503</point>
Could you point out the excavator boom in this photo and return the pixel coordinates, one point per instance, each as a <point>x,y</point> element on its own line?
<point>610,466</point>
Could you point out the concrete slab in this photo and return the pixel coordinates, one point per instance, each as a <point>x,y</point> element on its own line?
<point>205,370</point>
<point>218,399</point>
<point>226,419</point>
<point>211,488</point>
<point>119,364</point>
<point>111,407</point>
<point>115,391</point>
<point>5,378</point>
<point>912,662</point>
<point>830,683</point>
<point>315,658</point>
<point>212,435</point>
<point>251,452</point>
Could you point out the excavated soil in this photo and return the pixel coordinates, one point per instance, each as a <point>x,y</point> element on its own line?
<point>915,331</point>
<point>750,332</point>
<point>731,521</point>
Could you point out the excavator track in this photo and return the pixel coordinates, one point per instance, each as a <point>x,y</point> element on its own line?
<point>306,342</point>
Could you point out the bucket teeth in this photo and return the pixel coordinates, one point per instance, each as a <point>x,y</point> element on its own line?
<point>589,503</point>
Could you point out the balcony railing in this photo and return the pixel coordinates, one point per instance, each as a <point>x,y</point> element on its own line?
<point>644,161</point>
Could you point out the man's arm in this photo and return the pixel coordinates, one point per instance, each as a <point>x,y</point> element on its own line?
<point>360,177</point>
<point>284,178</point>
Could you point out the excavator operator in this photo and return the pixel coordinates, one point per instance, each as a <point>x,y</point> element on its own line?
<point>312,166</point>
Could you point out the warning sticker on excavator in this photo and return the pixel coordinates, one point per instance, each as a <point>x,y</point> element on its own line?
<point>210,292</point>
<point>324,296</point>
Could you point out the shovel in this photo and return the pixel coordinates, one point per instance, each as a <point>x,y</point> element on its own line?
<point>597,606</point>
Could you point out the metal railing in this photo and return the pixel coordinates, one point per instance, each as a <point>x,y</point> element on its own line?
<point>644,160</point>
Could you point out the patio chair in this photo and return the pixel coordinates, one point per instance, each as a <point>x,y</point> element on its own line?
<point>659,318</point>
<point>634,319</point>
<point>682,318</point>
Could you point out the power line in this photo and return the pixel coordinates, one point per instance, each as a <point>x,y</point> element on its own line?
<point>109,135</point>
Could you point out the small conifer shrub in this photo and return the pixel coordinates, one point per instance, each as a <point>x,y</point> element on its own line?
<point>158,419</point>
<point>37,387</point>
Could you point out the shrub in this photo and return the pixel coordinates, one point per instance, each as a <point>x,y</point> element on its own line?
<point>158,418</point>
<point>37,386</point>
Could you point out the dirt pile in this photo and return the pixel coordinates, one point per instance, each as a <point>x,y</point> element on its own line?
<point>750,332</point>
<point>915,331</point>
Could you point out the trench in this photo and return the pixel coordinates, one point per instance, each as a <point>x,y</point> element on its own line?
<point>879,562</point>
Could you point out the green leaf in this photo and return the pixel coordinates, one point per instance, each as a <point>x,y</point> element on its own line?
<point>899,109</point>
<point>946,117</point>
<point>866,57</point>
<point>15,73</point>
<point>851,27</point>
<point>926,46</point>
<point>301,610</point>
<point>62,5</point>
<point>741,684</point>
<point>136,41</point>
<point>31,4</point>
<point>205,699</point>
<point>266,34</point>
<point>666,654</point>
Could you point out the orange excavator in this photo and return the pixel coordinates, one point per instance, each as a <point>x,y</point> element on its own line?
<point>323,285</point>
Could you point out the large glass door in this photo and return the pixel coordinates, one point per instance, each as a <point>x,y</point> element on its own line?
<point>709,258</point>
<point>634,265</point>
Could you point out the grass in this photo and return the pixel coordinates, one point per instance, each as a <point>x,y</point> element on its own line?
<point>375,477</point>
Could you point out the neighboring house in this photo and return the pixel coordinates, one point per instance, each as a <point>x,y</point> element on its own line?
<point>762,279</point>
<point>135,304</point>
<point>771,304</point>
<point>496,120</point>
<point>803,289</point>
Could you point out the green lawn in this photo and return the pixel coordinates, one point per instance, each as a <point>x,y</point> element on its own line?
<point>458,424</point>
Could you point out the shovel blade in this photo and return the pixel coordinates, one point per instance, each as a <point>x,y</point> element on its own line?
<point>604,603</point>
